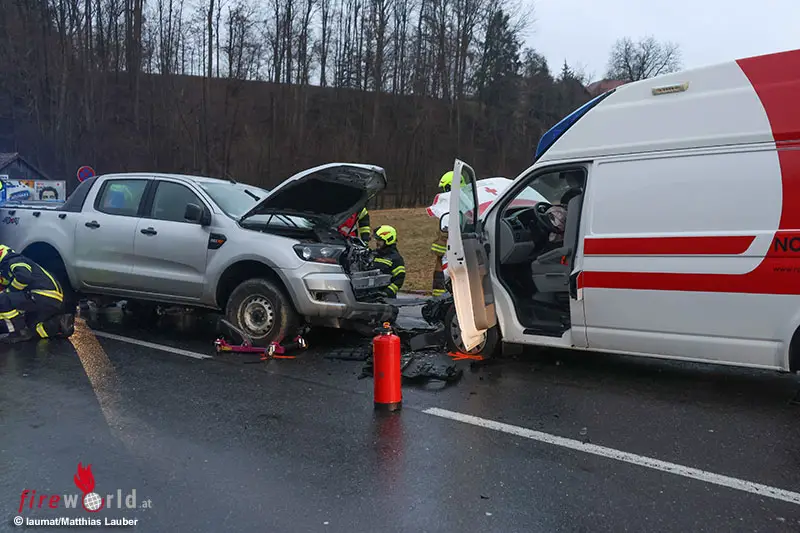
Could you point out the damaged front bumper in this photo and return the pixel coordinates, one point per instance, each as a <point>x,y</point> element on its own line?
<point>335,296</point>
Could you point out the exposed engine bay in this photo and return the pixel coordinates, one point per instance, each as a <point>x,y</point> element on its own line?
<point>368,282</point>
<point>353,254</point>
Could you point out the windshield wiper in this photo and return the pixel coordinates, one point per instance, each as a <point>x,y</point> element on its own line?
<point>249,213</point>
<point>283,212</point>
<point>288,220</point>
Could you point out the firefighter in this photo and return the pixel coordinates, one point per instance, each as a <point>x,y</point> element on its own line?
<point>357,225</point>
<point>364,231</point>
<point>439,246</point>
<point>389,260</point>
<point>31,299</point>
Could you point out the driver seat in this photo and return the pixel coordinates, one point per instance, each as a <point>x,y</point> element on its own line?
<point>550,273</point>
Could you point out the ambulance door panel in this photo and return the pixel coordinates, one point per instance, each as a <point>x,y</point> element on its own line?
<point>669,253</point>
<point>468,259</point>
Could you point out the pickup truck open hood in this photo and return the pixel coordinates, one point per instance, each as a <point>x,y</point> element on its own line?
<point>326,194</point>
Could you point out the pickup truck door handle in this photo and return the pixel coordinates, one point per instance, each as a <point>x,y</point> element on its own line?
<point>148,231</point>
<point>93,224</point>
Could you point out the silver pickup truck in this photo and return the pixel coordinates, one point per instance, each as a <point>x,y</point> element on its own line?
<point>269,260</point>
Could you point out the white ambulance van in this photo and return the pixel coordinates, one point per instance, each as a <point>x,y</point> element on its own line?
<point>682,227</point>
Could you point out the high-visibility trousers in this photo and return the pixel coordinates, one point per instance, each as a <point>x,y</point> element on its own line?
<point>22,309</point>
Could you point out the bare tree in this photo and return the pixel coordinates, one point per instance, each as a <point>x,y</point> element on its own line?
<point>324,44</point>
<point>379,13</point>
<point>210,48</point>
<point>240,46</point>
<point>304,39</point>
<point>643,59</point>
<point>402,19</point>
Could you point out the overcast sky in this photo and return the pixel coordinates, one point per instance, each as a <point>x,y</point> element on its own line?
<point>708,31</point>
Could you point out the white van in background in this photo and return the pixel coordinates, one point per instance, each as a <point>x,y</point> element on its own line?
<point>682,236</point>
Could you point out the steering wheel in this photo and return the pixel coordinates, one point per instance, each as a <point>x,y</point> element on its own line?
<point>540,211</point>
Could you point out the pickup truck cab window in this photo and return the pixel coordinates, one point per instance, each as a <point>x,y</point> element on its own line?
<point>170,200</point>
<point>121,197</point>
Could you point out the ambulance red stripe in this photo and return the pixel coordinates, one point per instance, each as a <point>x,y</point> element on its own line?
<point>703,245</point>
<point>774,79</point>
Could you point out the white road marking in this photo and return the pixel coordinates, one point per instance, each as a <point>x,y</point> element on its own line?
<point>611,453</point>
<point>162,347</point>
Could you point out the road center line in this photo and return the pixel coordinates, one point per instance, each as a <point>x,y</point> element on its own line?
<point>611,453</point>
<point>162,347</point>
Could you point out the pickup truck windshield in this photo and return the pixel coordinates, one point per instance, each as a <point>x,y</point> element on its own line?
<point>235,199</point>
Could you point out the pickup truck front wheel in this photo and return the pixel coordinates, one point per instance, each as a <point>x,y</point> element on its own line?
<point>262,310</point>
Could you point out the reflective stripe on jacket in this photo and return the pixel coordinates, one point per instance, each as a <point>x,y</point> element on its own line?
<point>389,261</point>
<point>22,274</point>
<point>364,231</point>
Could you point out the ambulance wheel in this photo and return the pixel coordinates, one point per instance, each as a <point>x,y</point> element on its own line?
<point>454,343</point>
<point>262,310</point>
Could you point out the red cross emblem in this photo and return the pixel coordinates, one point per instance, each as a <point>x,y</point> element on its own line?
<point>490,190</point>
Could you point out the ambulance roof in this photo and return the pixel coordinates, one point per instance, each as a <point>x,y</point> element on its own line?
<point>719,105</point>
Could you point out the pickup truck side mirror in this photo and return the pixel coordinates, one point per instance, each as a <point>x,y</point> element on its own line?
<point>196,213</point>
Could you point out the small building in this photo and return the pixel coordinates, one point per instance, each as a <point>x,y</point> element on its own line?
<point>23,181</point>
<point>13,167</point>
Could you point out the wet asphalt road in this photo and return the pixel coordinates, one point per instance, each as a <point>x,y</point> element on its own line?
<point>295,445</point>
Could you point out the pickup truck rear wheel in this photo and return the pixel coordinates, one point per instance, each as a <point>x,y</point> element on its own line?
<point>262,310</point>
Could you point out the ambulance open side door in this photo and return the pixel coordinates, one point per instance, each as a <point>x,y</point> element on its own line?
<point>468,259</point>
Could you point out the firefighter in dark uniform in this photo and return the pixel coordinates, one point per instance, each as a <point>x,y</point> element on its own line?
<point>32,299</point>
<point>389,260</point>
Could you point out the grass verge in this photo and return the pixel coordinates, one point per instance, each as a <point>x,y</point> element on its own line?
<point>415,233</point>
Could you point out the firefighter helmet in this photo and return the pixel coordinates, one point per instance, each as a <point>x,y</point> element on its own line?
<point>386,234</point>
<point>446,181</point>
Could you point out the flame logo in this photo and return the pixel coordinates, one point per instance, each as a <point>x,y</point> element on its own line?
<point>84,479</point>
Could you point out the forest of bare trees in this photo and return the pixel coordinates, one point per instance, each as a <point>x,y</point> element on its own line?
<point>257,90</point>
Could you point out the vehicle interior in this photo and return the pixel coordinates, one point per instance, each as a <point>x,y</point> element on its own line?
<point>538,237</point>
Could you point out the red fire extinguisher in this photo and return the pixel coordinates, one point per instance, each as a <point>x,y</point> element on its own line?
<point>386,369</point>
